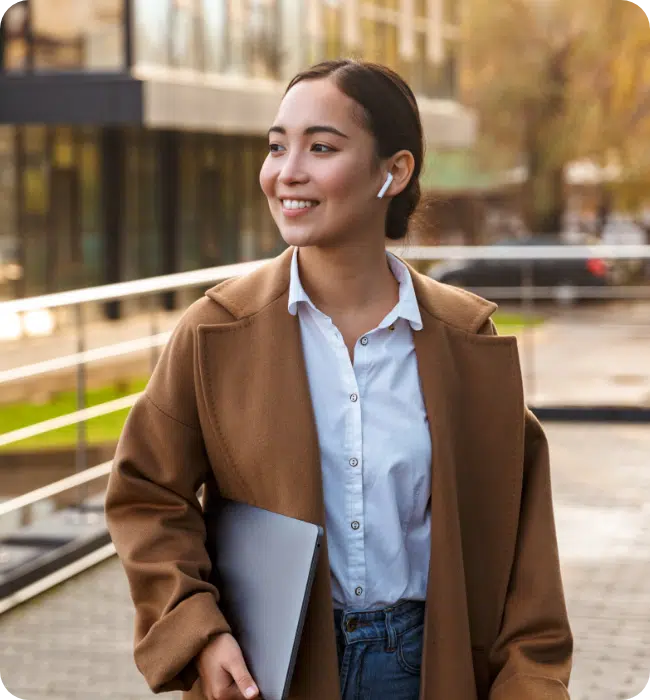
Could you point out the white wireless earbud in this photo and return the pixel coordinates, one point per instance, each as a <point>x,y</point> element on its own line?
<point>382,191</point>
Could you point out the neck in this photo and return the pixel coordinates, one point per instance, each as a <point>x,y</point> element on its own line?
<point>347,281</point>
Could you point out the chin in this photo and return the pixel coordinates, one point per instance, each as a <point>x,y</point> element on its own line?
<point>297,237</point>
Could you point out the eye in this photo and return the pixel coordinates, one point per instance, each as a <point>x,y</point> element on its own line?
<point>275,147</point>
<point>322,148</point>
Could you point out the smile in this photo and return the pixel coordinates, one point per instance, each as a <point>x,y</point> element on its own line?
<point>298,204</point>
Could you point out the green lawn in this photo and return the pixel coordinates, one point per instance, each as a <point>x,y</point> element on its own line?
<point>508,323</point>
<point>107,428</point>
<point>99,430</point>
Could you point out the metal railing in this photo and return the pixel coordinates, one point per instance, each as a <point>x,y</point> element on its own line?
<point>84,475</point>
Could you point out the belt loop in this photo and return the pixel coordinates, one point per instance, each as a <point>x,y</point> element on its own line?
<point>391,635</point>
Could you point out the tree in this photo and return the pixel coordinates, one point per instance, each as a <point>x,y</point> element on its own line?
<point>553,81</point>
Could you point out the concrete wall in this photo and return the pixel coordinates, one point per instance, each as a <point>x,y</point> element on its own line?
<point>190,101</point>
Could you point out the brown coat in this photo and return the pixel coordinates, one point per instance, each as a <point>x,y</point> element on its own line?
<point>229,405</point>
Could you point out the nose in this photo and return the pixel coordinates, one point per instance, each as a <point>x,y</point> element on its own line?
<point>292,170</point>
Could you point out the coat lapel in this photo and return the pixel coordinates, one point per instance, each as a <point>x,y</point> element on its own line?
<point>471,387</point>
<point>447,624</point>
<point>257,393</point>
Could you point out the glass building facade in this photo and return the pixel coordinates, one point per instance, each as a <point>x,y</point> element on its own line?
<point>97,197</point>
<point>83,206</point>
<point>257,39</point>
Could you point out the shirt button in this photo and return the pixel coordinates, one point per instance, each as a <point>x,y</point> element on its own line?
<point>364,341</point>
<point>358,590</point>
<point>391,327</point>
<point>353,397</point>
<point>354,461</point>
<point>355,525</point>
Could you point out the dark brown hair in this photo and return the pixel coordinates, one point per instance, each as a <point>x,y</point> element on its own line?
<point>390,113</point>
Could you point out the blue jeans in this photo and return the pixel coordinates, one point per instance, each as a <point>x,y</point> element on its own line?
<point>380,652</point>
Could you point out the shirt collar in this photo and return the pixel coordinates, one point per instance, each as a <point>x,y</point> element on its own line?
<point>407,306</point>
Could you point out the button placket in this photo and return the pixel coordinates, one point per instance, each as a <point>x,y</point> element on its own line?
<point>356,555</point>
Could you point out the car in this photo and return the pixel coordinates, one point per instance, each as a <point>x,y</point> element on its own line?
<point>506,277</point>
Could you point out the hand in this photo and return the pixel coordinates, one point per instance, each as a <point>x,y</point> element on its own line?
<point>223,671</point>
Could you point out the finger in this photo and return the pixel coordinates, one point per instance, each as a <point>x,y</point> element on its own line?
<point>243,679</point>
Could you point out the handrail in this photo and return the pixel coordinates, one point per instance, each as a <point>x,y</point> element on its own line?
<point>56,488</point>
<point>182,280</point>
<point>527,252</point>
<point>121,290</point>
<point>101,353</point>
<point>67,419</point>
<point>67,361</point>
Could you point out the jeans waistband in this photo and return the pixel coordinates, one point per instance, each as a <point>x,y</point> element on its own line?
<point>378,624</point>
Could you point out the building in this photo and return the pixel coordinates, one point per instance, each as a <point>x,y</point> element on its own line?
<point>132,131</point>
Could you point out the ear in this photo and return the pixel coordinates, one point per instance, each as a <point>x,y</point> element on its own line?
<point>401,165</point>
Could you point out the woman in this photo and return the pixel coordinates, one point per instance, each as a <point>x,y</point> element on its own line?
<point>337,385</point>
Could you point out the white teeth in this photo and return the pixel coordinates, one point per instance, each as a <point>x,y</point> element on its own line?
<point>297,204</point>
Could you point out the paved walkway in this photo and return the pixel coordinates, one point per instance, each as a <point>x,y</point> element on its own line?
<point>590,356</point>
<point>74,643</point>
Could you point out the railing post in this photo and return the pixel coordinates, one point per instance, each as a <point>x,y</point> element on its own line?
<point>154,331</point>
<point>528,338</point>
<point>25,516</point>
<point>81,454</point>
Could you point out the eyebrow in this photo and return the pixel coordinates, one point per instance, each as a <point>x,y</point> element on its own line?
<point>310,130</point>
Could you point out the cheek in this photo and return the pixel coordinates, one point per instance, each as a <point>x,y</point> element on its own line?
<point>268,177</point>
<point>345,181</point>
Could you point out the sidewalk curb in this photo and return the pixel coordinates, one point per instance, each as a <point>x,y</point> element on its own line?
<point>592,414</point>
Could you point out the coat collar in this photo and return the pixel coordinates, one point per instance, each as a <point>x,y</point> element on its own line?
<point>247,295</point>
<point>406,308</point>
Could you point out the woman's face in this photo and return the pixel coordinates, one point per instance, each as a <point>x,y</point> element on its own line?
<point>321,176</point>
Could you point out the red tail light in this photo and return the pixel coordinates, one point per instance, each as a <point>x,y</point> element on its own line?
<point>597,267</point>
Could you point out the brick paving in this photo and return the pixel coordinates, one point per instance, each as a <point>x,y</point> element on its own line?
<point>74,642</point>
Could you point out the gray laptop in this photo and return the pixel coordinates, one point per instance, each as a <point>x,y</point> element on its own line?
<point>263,565</point>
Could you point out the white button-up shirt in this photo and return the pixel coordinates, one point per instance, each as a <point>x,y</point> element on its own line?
<point>375,449</point>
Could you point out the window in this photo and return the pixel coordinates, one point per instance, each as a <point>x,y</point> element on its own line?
<point>152,28</point>
<point>186,35</point>
<point>65,253</point>
<point>435,80</point>
<point>333,31</point>
<point>92,241</point>
<point>34,205</point>
<point>78,34</point>
<point>264,38</point>
<point>314,49</point>
<point>9,255</point>
<point>380,32</point>
<point>188,210</point>
<point>370,40</point>
<point>215,35</point>
<point>142,248</point>
<point>14,29</point>
<point>254,40</point>
<point>451,12</point>
<point>292,20</point>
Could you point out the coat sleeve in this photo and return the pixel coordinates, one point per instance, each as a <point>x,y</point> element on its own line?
<point>156,522</point>
<point>532,655</point>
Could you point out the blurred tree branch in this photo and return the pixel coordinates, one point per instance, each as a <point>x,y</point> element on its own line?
<point>554,81</point>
